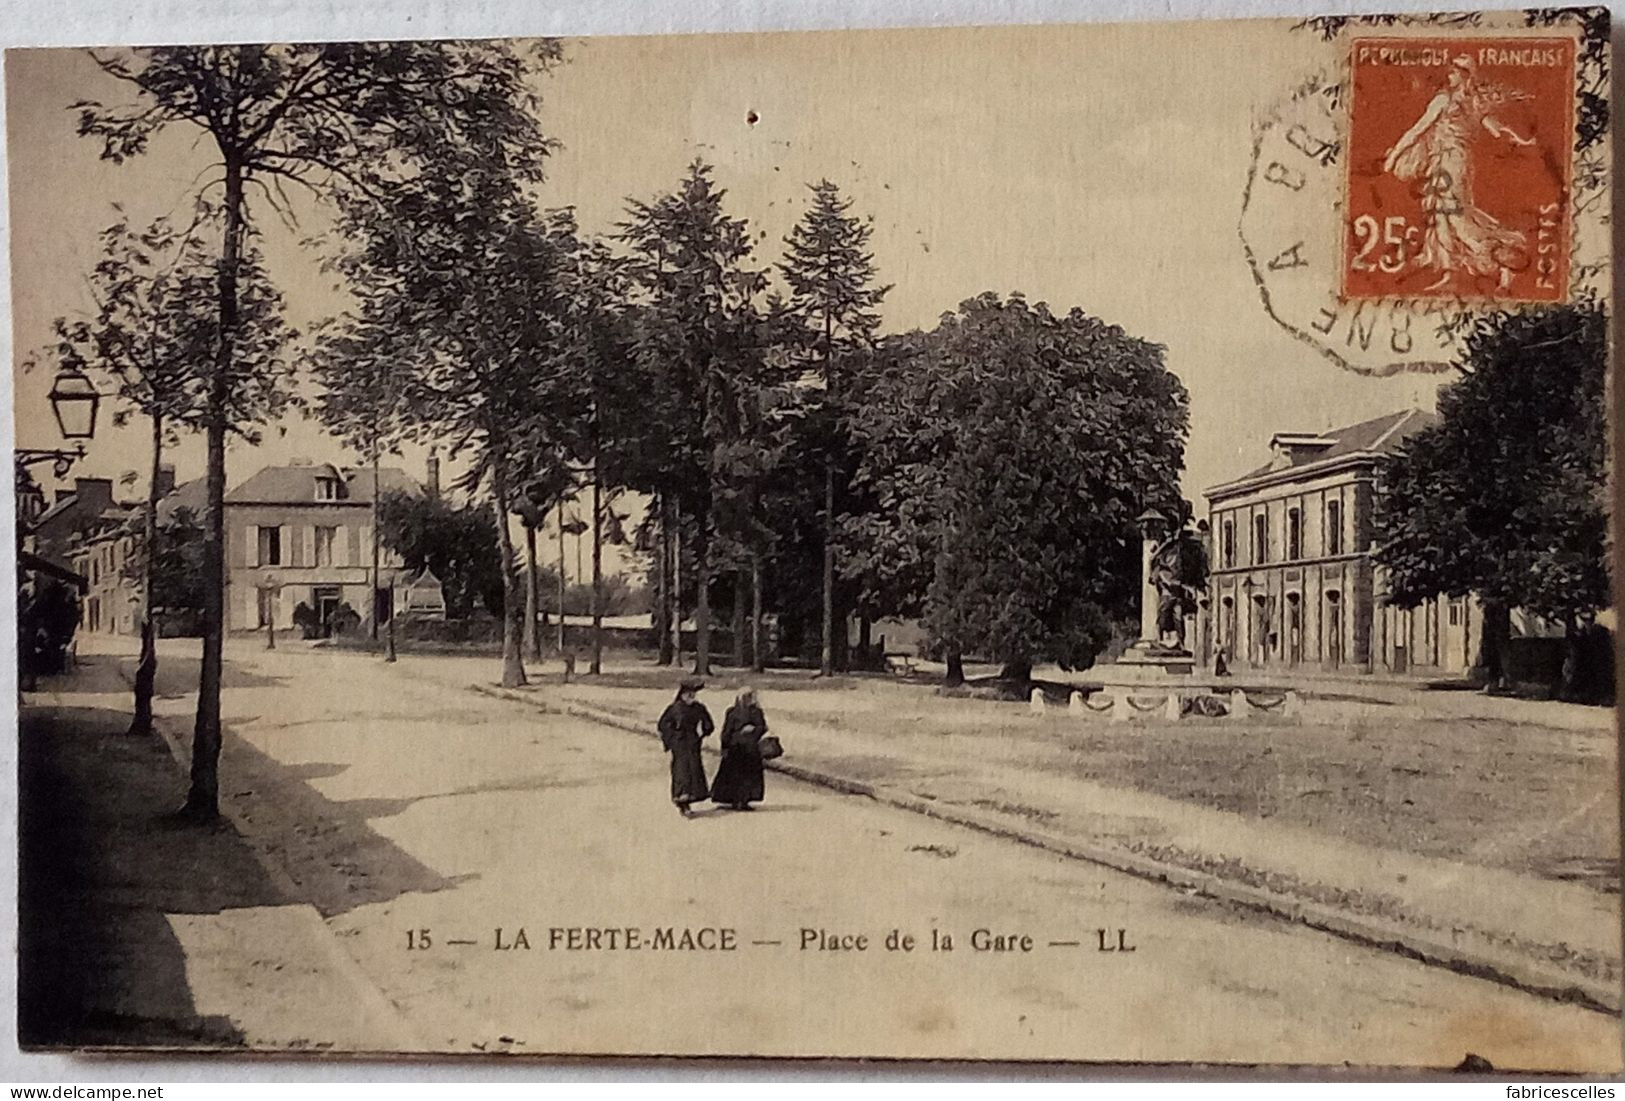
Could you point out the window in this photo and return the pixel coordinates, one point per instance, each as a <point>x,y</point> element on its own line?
<point>1261,538</point>
<point>270,547</point>
<point>1228,539</point>
<point>1294,533</point>
<point>1334,527</point>
<point>1455,613</point>
<point>327,489</point>
<point>324,545</point>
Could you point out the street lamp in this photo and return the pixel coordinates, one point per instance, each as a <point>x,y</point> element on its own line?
<point>1153,524</point>
<point>269,584</point>
<point>74,400</point>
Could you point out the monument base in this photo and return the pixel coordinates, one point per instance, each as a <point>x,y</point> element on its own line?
<point>1155,659</point>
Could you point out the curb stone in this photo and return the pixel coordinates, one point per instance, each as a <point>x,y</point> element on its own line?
<point>1578,990</point>
<point>372,1002</point>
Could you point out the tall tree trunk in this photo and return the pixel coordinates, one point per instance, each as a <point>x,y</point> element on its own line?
<point>758,660</point>
<point>677,581</point>
<point>826,664</point>
<point>562,583</point>
<point>597,573</point>
<point>146,669</point>
<point>741,589</point>
<point>513,665</point>
<point>663,586</point>
<point>702,599</point>
<point>1492,643</point>
<point>203,796</point>
<point>532,634</point>
<point>377,493</point>
<point>865,641</point>
<point>1569,679</point>
<point>956,668</point>
<point>1017,669</point>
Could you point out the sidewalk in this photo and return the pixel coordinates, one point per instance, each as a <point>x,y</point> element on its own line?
<point>1540,933</point>
<point>137,930</point>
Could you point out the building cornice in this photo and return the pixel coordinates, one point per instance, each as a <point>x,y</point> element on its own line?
<point>1290,474</point>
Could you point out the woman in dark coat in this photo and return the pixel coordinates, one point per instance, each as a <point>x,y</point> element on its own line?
<point>739,779</point>
<point>684,722</point>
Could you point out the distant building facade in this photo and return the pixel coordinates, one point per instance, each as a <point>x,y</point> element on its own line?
<point>82,528</point>
<point>1293,583</point>
<point>106,556</point>
<point>296,534</point>
<point>302,534</point>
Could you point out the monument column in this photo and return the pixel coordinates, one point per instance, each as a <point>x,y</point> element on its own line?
<point>1153,525</point>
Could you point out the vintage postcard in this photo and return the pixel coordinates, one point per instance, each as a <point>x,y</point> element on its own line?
<point>1057,543</point>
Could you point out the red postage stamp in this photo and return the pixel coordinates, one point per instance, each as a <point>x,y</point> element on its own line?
<point>1460,152</point>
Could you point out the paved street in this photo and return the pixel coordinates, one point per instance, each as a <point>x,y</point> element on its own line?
<point>413,816</point>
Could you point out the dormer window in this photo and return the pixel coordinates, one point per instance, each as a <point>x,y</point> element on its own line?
<point>1295,448</point>
<point>328,489</point>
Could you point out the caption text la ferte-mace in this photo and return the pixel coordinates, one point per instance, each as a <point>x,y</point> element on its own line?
<point>724,939</point>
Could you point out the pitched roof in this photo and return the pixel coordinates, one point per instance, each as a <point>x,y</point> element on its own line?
<point>297,484</point>
<point>1378,436</point>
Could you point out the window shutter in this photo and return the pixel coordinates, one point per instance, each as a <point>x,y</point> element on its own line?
<point>290,546</point>
<point>308,535</point>
<point>253,553</point>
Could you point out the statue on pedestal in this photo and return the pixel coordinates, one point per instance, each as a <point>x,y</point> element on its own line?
<point>1179,568</point>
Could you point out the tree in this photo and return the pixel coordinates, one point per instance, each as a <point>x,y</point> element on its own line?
<point>347,121</point>
<point>550,481</point>
<point>178,578</point>
<point>461,257</point>
<point>833,297</point>
<point>1506,495</point>
<point>358,370</point>
<point>1015,448</point>
<point>453,543</point>
<point>153,335</point>
<point>696,335</point>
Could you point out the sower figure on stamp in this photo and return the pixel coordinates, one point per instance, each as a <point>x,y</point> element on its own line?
<point>1437,151</point>
<point>682,725</point>
<point>739,777</point>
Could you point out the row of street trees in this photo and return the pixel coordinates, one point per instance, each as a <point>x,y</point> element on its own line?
<point>1507,496</point>
<point>975,474</point>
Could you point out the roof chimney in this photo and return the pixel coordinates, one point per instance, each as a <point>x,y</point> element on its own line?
<point>166,480</point>
<point>433,481</point>
<point>95,495</point>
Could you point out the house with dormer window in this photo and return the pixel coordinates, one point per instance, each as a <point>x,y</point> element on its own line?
<point>302,534</point>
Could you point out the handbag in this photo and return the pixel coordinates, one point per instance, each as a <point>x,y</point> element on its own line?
<point>770,747</point>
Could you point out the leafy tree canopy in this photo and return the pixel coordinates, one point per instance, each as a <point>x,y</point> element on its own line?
<point>1014,449</point>
<point>1506,495</point>
<point>453,542</point>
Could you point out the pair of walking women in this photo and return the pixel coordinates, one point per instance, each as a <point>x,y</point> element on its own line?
<point>686,722</point>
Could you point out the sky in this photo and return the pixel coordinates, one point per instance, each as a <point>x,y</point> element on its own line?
<point>1097,166</point>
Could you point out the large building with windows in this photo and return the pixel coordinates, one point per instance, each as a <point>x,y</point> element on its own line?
<point>1293,583</point>
<point>296,534</point>
<point>302,534</point>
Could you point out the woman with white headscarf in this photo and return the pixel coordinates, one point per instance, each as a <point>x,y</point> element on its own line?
<point>738,782</point>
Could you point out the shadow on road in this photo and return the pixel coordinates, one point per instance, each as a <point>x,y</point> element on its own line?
<point>101,863</point>
<point>104,863</point>
<point>327,846</point>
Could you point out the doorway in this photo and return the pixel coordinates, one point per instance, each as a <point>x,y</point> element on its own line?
<point>1294,628</point>
<point>1334,629</point>
<point>326,599</point>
